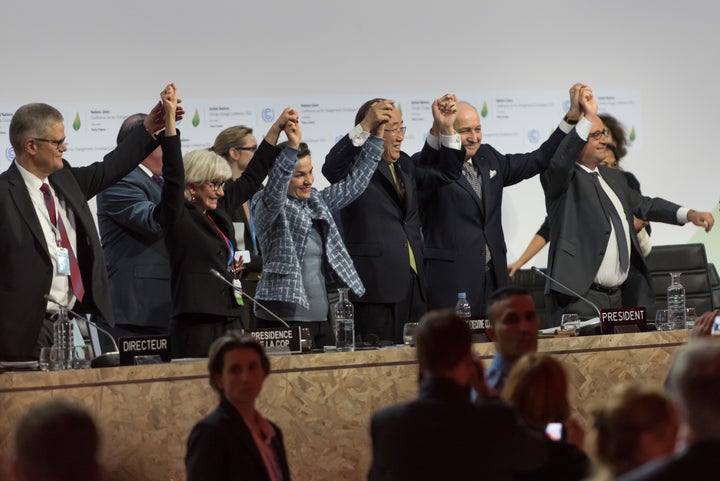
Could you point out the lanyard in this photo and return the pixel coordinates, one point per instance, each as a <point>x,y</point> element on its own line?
<point>227,241</point>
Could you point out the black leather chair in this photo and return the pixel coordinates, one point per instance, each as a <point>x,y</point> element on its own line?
<point>535,283</point>
<point>691,261</point>
<point>714,286</point>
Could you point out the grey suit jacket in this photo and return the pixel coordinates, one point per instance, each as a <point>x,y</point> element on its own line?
<point>579,230</point>
<point>27,269</point>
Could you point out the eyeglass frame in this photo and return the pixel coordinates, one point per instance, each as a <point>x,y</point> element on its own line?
<point>252,148</point>
<point>58,143</point>
<point>597,135</point>
<point>216,185</point>
<point>394,132</point>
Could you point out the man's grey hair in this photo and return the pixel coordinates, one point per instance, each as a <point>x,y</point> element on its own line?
<point>696,378</point>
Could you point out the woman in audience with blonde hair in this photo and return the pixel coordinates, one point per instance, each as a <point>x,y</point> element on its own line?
<point>537,387</point>
<point>635,425</point>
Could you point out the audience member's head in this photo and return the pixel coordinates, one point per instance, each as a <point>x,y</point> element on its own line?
<point>696,382</point>
<point>205,175</point>
<point>514,323</point>
<point>537,387</point>
<point>617,142</point>
<point>636,424</point>
<point>221,357</point>
<point>37,135</point>
<point>443,345</point>
<point>56,441</point>
<point>237,145</point>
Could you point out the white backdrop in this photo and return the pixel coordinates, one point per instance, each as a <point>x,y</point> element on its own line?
<point>89,52</point>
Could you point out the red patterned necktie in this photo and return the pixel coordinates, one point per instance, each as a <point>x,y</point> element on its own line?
<point>75,277</point>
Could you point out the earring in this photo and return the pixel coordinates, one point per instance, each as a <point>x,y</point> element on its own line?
<point>192,197</point>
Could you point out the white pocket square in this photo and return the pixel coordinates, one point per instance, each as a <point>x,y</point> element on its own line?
<point>493,173</point>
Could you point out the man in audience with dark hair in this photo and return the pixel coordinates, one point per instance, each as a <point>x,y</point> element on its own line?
<point>441,435</point>
<point>49,243</point>
<point>132,240</point>
<point>696,378</point>
<point>56,441</point>
<point>513,328</point>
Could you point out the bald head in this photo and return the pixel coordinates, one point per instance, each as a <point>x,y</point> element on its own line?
<point>467,124</point>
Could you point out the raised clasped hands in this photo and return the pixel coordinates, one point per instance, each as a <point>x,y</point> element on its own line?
<point>155,121</point>
<point>574,113</point>
<point>293,132</point>
<point>588,104</point>
<point>444,111</point>
<point>377,117</point>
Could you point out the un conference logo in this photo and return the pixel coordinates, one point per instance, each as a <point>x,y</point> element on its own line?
<point>10,154</point>
<point>268,114</point>
<point>533,136</point>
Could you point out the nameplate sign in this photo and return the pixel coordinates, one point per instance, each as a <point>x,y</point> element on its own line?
<point>278,340</point>
<point>612,321</point>
<point>478,326</point>
<point>145,348</point>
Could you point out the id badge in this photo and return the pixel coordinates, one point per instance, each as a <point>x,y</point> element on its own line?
<point>237,290</point>
<point>63,262</point>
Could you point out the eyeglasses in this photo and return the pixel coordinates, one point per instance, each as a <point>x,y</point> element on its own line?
<point>396,132</point>
<point>599,134</point>
<point>216,185</point>
<point>58,143</point>
<point>251,148</point>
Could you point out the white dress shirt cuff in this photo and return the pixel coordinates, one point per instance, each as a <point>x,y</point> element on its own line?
<point>682,215</point>
<point>583,128</point>
<point>565,127</point>
<point>449,141</point>
<point>358,136</point>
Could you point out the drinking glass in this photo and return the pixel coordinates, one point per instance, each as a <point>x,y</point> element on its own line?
<point>570,322</point>
<point>50,359</point>
<point>663,320</point>
<point>408,332</point>
<point>690,317</point>
<point>82,357</point>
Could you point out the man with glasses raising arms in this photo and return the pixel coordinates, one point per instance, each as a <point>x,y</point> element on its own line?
<point>593,245</point>
<point>48,242</point>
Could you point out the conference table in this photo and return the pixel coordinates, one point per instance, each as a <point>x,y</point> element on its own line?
<point>322,402</point>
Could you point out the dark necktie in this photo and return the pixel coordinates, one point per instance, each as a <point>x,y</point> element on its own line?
<point>158,180</point>
<point>612,213</point>
<point>75,277</point>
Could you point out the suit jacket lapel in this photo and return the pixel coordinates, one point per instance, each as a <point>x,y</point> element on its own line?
<point>21,197</point>
<point>465,184</point>
<point>243,435</point>
<point>384,169</point>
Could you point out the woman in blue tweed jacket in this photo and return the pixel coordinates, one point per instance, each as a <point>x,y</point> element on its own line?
<point>304,254</point>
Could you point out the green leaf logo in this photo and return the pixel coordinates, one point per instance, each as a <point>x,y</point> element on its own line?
<point>76,122</point>
<point>633,135</point>
<point>399,108</point>
<point>196,119</point>
<point>484,110</point>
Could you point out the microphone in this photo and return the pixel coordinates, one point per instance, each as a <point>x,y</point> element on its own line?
<point>105,359</point>
<point>568,289</point>
<point>275,316</point>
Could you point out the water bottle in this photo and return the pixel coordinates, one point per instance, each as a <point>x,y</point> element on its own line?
<point>63,338</point>
<point>676,301</point>
<point>462,308</point>
<point>344,322</point>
